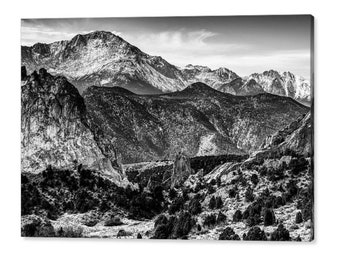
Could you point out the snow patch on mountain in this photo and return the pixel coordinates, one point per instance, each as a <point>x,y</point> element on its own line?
<point>284,84</point>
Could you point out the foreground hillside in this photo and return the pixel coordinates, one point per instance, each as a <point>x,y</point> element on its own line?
<point>197,120</point>
<point>267,196</point>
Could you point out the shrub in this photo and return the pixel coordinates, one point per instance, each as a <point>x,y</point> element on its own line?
<point>213,182</point>
<point>198,187</point>
<point>218,182</point>
<point>237,217</point>
<point>232,192</point>
<point>265,193</point>
<point>177,205</point>
<point>162,231</point>
<point>160,220</point>
<point>219,202</point>
<point>183,225</point>
<point>35,226</point>
<point>90,219</point>
<point>228,234</point>
<point>221,218</point>
<point>115,221</point>
<point>263,170</point>
<point>195,206</point>
<point>174,227</point>
<point>139,236</point>
<point>275,175</point>
<point>212,203</point>
<point>121,233</point>
<point>210,220</point>
<point>172,194</point>
<point>298,218</point>
<point>211,189</point>
<point>254,179</point>
<point>249,195</point>
<point>280,234</point>
<point>70,232</point>
<point>279,201</point>
<point>298,165</point>
<point>157,193</point>
<point>268,217</point>
<point>185,193</point>
<point>255,234</point>
<point>291,190</point>
<point>243,181</point>
<point>253,220</point>
<point>252,214</point>
<point>305,203</point>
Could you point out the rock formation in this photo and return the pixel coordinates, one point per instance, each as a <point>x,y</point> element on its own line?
<point>54,127</point>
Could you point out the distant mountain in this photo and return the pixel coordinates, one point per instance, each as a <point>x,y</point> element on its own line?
<point>284,84</point>
<point>103,59</point>
<point>54,126</point>
<point>197,121</point>
<point>213,78</point>
<point>242,87</point>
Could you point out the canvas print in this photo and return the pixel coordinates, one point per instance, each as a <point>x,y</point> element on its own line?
<point>168,128</point>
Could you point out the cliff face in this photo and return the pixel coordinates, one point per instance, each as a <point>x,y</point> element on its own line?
<point>54,128</point>
<point>296,137</point>
<point>197,121</point>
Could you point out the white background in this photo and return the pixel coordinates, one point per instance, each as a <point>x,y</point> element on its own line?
<point>19,253</point>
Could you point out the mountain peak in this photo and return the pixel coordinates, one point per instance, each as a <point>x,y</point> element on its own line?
<point>271,73</point>
<point>197,67</point>
<point>104,36</point>
<point>198,87</point>
<point>99,35</point>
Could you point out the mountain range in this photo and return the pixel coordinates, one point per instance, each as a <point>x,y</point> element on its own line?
<point>60,126</point>
<point>103,59</point>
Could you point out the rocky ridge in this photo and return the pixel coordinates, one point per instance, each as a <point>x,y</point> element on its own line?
<point>198,121</point>
<point>54,126</point>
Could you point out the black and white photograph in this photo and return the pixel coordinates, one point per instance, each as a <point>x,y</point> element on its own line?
<point>197,128</point>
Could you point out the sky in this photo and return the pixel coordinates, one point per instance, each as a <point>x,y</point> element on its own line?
<point>244,44</point>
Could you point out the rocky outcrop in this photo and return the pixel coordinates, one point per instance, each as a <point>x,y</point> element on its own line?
<point>54,126</point>
<point>181,170</point>
<point>296,137</point>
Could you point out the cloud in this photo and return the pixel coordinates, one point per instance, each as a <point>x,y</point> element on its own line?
<point>182,47</point>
